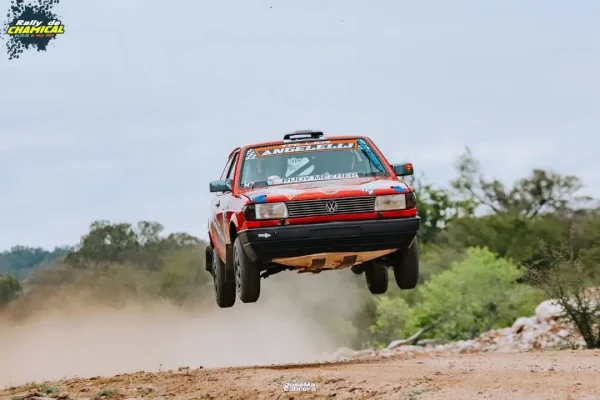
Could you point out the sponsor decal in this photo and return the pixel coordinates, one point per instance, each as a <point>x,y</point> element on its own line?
<point>250,154</point>
<point>284,149</point>
<point>372,157</point>
<point>290,194</point>
<point>370,187</point>
<point>330,190</point>
<point>400,188</point>
<point>295,163</point>
<point>259,199</point>
<point>325,177</point>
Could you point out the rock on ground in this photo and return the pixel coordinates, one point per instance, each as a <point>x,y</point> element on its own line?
<point>547,329</point>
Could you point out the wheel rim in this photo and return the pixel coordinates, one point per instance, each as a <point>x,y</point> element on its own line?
<point>238,272</point>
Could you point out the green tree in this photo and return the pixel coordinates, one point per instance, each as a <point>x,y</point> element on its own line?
<point>21,260</point>
<point>9,289</point>
<point>512,236</point>
<point>118,243</point>
<point>105,242</point>
<point>437,208</point>
<point>541,192</point>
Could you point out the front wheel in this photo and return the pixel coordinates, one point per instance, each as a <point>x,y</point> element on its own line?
<point>406,266</point>
<point>247,274</point>
<point>224,288</point>
<point>377,277</point>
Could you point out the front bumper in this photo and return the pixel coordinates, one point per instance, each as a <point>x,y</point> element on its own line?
<point>266,244</point>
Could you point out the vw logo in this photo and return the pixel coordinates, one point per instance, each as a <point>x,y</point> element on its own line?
<point>331,206</point>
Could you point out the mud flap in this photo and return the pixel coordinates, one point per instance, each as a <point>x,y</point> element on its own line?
<point>229,273</point>
<point>208,261</point>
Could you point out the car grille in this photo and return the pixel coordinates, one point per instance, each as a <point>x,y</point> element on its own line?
<point>348,205</point>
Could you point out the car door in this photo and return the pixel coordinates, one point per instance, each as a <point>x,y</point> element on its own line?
<point>215,225</point>
<point>221,206</point>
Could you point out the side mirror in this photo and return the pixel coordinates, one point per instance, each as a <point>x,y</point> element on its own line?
<point>221,185</point>
<point>403,169</point>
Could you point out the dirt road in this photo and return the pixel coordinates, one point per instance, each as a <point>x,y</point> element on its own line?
<point>541,375</point>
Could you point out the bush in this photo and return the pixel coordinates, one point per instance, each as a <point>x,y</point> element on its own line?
<point>9,289</point>
<point>391,314</point>
<point>571,281</point>
<point>435,258</point>
<point>474,295</point>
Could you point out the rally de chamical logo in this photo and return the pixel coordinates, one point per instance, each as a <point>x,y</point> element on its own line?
<point>31,25</point>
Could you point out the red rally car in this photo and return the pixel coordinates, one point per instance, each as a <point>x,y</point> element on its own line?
<point>311,203</point>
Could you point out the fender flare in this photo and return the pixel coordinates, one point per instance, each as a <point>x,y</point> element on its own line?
<point>233,220</point>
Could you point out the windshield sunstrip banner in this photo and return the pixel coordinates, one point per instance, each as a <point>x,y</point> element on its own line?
<point>324,177</point>
<point>288,148</point>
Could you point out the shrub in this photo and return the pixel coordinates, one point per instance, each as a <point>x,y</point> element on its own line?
<point>9,289</point>
<point>474,295</point>
<point>572,282</point>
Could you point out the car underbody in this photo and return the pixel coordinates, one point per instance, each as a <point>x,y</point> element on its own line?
<point>316,263</point>
<point>328,261</point>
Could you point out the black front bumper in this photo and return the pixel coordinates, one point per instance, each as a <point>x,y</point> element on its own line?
<point>265,244</point>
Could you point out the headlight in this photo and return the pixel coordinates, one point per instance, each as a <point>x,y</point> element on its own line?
<point>395,202</point>
<point>266,211</point>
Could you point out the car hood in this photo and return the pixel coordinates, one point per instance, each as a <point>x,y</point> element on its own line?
<point>328,189</point>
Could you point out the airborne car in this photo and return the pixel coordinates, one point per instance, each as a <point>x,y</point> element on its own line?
<point>311,203</point>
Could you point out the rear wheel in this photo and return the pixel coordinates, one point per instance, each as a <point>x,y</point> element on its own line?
<point>377,277</point>
<point>406,266</point>
<point>247,275</point>
<point>224,289</point>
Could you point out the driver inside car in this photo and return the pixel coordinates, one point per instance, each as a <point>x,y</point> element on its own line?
<point>267,170</point>
<point>335,162</point>
<point>273,169</point>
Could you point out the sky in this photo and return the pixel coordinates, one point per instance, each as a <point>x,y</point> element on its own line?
<point>131,112</point>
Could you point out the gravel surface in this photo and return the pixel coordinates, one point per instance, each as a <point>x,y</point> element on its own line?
<point>567,374</point>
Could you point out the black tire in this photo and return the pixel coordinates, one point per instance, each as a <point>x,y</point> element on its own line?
<point>377,277</point>
<point>247,275</point>
<point>224,290</point>
<point>406,266</point>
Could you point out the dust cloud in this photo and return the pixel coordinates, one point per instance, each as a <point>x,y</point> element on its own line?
<point>297,318</point>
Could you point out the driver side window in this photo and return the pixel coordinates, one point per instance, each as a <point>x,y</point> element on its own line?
<point>227,168</point>
<point>231,172</point>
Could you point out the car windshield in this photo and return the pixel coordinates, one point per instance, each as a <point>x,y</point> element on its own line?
<point>307,162</point>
